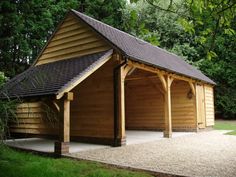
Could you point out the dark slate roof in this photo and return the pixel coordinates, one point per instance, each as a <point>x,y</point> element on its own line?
<point>49,79</point>
<point>141,51</point>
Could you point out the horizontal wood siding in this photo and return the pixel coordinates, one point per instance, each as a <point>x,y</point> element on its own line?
<point>73,39</point>
<point>183,108</point>
<point>92,108</point>
<point>209,105</point>
<point>32,119</point>
<point>144,104</point>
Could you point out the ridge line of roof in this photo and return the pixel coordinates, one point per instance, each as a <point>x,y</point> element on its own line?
<point>138,39</point>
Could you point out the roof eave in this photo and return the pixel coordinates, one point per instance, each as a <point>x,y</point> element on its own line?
<point>168,70</point>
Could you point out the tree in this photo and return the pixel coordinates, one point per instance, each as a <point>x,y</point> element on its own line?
<point>26,26</point>
<point>201,31</point>
<point>107,11</point>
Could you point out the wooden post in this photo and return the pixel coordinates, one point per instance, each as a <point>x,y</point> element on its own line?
<point>62,146</point>
<point>167,108</point>
<point>123,72</point>
<point>196,107</point>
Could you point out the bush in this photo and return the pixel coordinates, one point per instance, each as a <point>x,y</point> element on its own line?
<point>7,111</point>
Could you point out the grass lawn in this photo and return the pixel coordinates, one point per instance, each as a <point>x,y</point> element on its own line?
<point>226,125</point>
<point>20,164</point>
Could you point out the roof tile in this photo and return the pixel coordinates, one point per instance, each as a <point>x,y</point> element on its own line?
<point>141,51</point>
<point>48,79</point>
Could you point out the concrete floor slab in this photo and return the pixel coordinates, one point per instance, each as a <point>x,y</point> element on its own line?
<point>137,136</point>
<point>46,145</point>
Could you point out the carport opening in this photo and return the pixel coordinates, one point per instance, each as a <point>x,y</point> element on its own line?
<point>144,106</point>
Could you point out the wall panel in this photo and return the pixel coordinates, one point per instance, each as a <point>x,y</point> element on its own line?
<point>32,119</point>
<point>92,108</point>
<point>144,104</point>
<point>183,108</point>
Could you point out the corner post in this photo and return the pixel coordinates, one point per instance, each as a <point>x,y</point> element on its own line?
<point>167,109</point>
<point>62,146</point>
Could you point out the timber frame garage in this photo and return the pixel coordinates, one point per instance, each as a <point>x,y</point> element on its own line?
<point>91,82</point>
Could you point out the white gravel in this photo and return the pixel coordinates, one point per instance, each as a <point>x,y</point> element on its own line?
<point>201,154</point>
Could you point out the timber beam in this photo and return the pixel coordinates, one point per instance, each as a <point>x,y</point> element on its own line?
<point>161,72</point>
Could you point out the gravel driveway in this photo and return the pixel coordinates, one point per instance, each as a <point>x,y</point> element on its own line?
<point>201,154</point>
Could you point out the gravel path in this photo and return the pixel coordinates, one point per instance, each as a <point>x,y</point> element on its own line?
<point>201,154</point>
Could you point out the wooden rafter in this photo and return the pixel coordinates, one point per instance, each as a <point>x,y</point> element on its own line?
<point>140,78</point>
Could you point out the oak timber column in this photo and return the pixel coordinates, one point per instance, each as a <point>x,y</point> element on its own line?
<point>122,136</point>
<point>193,93</point>
<point>167,107</point>
<point>121,111</point>
<point>62,146</point>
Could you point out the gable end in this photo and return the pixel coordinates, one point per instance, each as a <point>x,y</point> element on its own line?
<point>73,38</point>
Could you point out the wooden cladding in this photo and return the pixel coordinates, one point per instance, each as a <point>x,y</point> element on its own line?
<point>144,104</point>
<point>209,105</point>
<point>32,119</point>
<point>183,106</point>
<point>92,108</point>
<point>73,39</point>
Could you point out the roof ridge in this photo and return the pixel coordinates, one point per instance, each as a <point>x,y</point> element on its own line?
<point>143,51</point>
<point>75,11</point>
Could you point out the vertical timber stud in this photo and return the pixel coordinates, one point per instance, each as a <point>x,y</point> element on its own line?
<point>167,108</point>
<point>62,146</point>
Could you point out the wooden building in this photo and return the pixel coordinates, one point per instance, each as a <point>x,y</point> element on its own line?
<point>91,82</point>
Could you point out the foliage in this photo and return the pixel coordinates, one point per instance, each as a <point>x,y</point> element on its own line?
<point>202,32</point>
<point>108,11</point>
<point>25,26</point>
<point>3,79</point>
<point>20,164</point>
<point>7,111</point>
<point>7,114</point>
